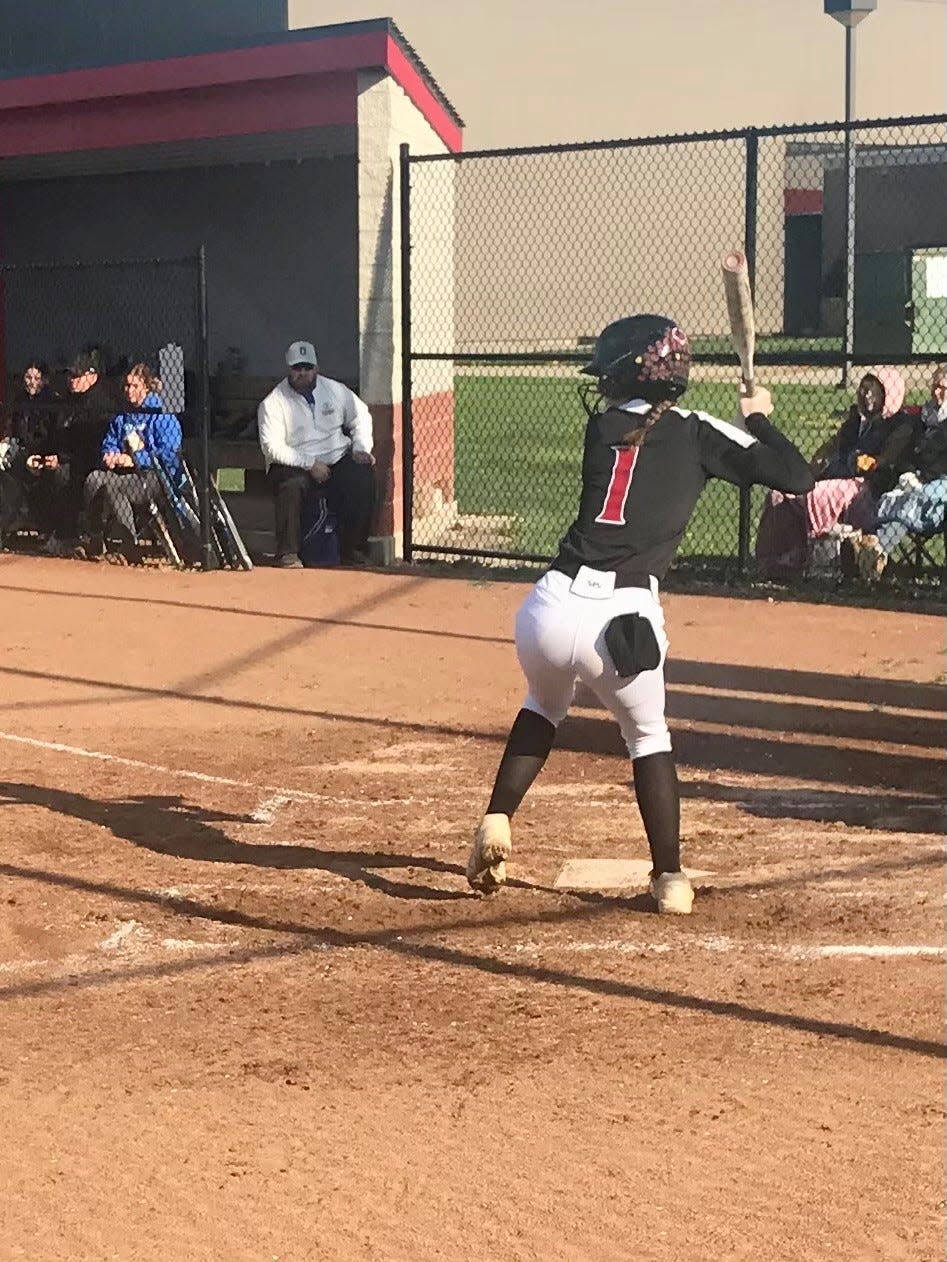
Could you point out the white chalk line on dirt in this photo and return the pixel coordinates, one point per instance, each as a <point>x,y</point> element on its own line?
<point>131,939</point>
<point>277,791</point>
<point>801,700</point>
<point>718,944</point>
<point>445,789</point>
<point>815,740</point>
<point>266,812</point>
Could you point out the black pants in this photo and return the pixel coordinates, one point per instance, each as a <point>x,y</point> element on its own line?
<point>349,492</point>
<point>52,500</point>
<point>13,500</point>
<point>110,497</point>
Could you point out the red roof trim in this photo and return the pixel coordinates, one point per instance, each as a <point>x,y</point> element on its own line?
<point>802,201</point>
<point>406,75</point>
<point>172,74</point>
<point>246,109</point>
<point>233,67</point>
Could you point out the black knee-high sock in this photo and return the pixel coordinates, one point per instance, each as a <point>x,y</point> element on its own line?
<point>659,801</point>
<point>527,749</point>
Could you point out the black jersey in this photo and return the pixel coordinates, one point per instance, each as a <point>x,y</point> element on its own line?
<point>636,501</point>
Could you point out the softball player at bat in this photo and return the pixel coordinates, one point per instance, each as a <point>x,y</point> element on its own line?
<point>595,615</point>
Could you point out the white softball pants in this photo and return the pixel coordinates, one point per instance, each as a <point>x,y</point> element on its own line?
<point>560,639</point>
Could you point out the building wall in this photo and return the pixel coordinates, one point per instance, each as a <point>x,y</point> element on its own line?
<point>386,120</point>
<point>550,247</point>
<point>897,207</point>
<point>281,250</point>
<point>769,281</point>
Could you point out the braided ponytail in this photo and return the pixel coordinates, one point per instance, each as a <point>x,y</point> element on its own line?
<point>636,437</point>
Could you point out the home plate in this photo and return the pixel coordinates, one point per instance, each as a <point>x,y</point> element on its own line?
<point>610,874</point>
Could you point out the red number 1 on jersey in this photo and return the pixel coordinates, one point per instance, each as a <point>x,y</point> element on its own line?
<point>613,510</point>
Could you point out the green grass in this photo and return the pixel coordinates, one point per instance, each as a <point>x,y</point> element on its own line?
<point>775,343</point>
<point>519,452</point>
<point>231,479</point>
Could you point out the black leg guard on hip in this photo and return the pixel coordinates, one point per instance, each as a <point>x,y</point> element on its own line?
<point>659,801</point>
<point>527,749</point>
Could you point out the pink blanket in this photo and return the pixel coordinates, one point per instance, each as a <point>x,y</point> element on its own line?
<point>790,521</point>
<point>836,500</point>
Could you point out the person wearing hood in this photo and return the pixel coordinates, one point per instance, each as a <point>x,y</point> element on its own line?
<point>858,464</point>
<point>916,504</point>
<point>137,440</point>
<point>875,436</point>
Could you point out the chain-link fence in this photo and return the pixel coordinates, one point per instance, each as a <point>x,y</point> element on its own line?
<point>87,325</point>
<point>513,260</point>
<point>117,314</point>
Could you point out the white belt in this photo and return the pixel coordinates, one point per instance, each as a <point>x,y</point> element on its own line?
<point>600,584</point>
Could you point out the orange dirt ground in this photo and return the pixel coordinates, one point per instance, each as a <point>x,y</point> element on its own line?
<point>250,1010</point>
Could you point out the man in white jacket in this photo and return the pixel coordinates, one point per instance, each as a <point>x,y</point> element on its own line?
<point>317,431</point>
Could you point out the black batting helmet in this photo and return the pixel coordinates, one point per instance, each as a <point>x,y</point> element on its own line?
<point>646,356</point>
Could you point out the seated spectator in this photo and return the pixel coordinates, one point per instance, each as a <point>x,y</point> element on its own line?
<point>853,469</point>
<point>30,473</point>
<point>87,407</point>
<point>137,440</point>
<point>875,433</point>
<point>916,504</point>
<point>934,411</point>
<point>317,432</point>
<point>13,511</point>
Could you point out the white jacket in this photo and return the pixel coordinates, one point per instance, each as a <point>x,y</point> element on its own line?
<point>295,432</point>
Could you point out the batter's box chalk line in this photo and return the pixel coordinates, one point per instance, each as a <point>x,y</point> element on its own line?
<point>611,874</point>
<point>719,944</point>
<point>279,795</point>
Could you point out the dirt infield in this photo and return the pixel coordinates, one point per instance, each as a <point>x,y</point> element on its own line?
<point>250,1010</point>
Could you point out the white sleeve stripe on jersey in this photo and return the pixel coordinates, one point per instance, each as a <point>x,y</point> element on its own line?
<point>728,429</point>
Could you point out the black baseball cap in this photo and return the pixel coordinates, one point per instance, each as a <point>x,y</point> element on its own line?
<point>81,364</point>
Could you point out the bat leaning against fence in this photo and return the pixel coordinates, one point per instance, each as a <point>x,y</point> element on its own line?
<point>225,537</point>
<point>226,523</point>
<point>158,523</point>
<point>184,518</point>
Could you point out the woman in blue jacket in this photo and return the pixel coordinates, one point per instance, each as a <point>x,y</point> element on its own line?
<point>137,440</point>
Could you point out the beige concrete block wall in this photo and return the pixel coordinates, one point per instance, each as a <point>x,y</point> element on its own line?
<point>770,235</point>
<point>550,247</point>
<point>804,170</point>
<point>387,118</point>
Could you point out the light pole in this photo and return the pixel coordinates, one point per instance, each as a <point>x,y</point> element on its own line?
<point>849,13</point>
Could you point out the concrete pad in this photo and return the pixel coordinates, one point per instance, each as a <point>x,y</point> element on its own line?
<point>610,874</point>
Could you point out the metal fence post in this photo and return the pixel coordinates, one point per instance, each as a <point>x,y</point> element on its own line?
<point>208,560</point>
<point>749,240</point>
<point>851,176</point>
<point>407,385</point>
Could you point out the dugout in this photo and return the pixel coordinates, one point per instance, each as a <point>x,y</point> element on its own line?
<point>277,149</point>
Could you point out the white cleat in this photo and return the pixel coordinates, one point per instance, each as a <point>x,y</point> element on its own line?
<point>673,893</point>
<point>486,867</point>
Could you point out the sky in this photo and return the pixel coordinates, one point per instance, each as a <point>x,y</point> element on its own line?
<point>543,71</point>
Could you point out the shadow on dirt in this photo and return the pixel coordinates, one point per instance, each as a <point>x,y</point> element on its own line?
<point>169,825</point>
<point>405,944</point>
<point>789,758</point>
<point>195,606</point>
<point>787,753</point>
<point>891,813</point>
<point>777,682</point>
